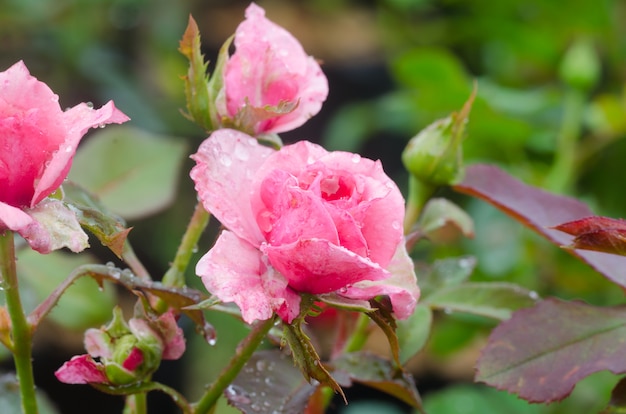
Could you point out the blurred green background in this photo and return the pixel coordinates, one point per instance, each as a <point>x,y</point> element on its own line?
<point>393,66</point>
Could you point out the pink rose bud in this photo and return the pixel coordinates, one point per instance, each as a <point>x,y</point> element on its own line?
<point>38,142</point>
<point>270,84</point>
<point>127,352</point>
<point>300,220</point>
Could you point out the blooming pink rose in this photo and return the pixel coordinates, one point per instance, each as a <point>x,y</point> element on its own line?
<point>270,84</point>
<point>300,220</point>
<point>38,142</point>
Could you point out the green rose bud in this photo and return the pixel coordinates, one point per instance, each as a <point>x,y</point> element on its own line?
<point>580,67</point>
<point>435,155</point>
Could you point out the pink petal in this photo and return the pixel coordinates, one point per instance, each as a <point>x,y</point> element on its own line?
<point>318,266</point>
<point>81,369</point>
<point>233,270</point>
<point>31,130</point>
<point>226,165</point>
<point>76,121</point>
<point>270,66</point>
<point>173,338</point>
<point>15,219</point>
<point>291,213</point>
<point>133,360</point>
<point>401,287</point>
<point>380,206</point>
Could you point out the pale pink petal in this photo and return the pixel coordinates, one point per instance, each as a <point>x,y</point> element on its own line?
<point>270,66</point>
<point>57,227</point>
<point>98,343</point>
<point>81,369</point>
<point>401,287</point>
<point>76,121</point>
<point>318,266</point>
<point>234,271</point>
<point>226,165</point>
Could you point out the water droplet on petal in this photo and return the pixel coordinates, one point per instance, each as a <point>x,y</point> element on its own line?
<point>225,160</point>
<point>533,295</point>
<point>356,158</point>
<point>395,225</point>
<point>261,365</point>
<point>241,152</point>
<point>89,105</point>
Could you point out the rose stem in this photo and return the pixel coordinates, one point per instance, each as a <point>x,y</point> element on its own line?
<point>244,351</point>
<point>21,330</point>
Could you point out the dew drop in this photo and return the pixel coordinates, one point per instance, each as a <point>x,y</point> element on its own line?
<point>395,225</point>
<point>89,105</point>
<point>212,341</point>
<point>225,160</point>
<point>255,407</point>
<point>356,158</point>
<point>533,295</point>
<point>268,381</point>
<point>261,365</point>
<point>241,152</point>
<point>447,311</point>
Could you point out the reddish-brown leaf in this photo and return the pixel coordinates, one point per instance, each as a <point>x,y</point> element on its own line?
<point>543,351</point>
<point>539,210</point>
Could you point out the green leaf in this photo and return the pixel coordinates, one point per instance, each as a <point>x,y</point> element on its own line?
<point>132,172</point>
<point>83,304</point>
<point>492,299</point>
<point>543,351</point>
<point>444,272</point>
<point>443,221</point>
<point>269,383</point>
<point>414,332</point>
<point>379,373</point>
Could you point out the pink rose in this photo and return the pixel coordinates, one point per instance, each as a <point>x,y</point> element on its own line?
<point>270,84</point>
<point>38,142</point>
<point>300,220</point>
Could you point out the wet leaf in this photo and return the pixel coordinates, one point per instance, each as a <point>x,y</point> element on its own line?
<point>492,299</point>
<point>543,351</point>
<point>133,173</point>
<point>270,383</point>
<point>540,211</point>
<point>443,221</point>
<point>379,373</point>
<point>414,332</point>
<point>10,400</point>
<point>444,272</point>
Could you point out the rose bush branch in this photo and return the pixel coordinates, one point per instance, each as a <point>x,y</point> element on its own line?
<point>21,330</point>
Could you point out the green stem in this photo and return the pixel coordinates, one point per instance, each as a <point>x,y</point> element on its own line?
<point>419,194</point>
<point>562,173</point>
<point>359,335</point>
<point>136,403</point>
<point>175,276</point>
<point>244,351</point>
<point>131,259</point>
<point>21,330</point>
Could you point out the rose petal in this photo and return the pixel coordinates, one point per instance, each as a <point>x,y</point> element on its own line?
<point>77,121</point>
<point>15,219</point>
<point>401,287</point>
<point>226,164</point>
<point>173,337</point>
<point>81,369</point>
<point>98,343</point>
<point>317,266</point>
<point>57,227</point>
<point>233,270</point>
<point>292,213</point>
